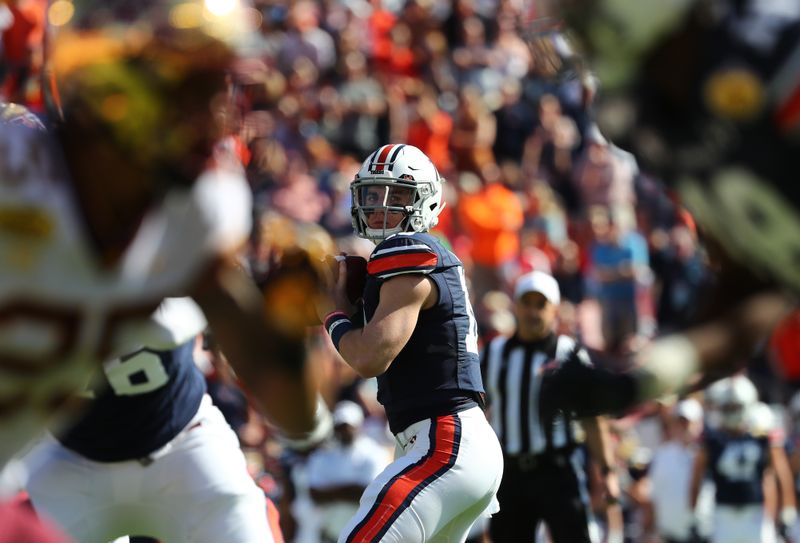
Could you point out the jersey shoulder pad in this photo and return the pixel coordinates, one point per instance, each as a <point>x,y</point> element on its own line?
<point>401,254</point>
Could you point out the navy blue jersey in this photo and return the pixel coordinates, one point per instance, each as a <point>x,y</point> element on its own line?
<point>736,463</point>
<point>148,398</point>
<point>438,370</point>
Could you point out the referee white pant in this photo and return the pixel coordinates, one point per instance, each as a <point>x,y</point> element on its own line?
<point>197,489</point>
<point>445,477</point>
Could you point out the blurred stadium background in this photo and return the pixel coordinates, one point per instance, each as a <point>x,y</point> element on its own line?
<point>532,183</point>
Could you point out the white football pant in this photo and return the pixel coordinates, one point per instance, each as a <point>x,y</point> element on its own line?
<point>196,490</point>
<point>445,477</point>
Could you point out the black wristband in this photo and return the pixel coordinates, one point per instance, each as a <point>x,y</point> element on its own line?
<point>337,324</point>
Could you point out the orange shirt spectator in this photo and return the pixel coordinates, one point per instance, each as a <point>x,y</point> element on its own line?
<point>401,60</point>
<point>380,24</point>
<point>493,217</point>
<point>430,130</point>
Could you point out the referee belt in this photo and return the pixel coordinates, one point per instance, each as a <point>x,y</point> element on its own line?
<point>529,462</point>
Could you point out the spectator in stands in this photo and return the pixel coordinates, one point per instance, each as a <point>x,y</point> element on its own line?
<point>430,127</point>
<point>492,216</point>
<point>305,39</point>
<point>619,262</point>
<point>603,176</point>
<point>569,273</point>
<point>682,276</point>
<point>474,131</point>
<point>515,121</point>
<point>361,102</point>
<point>549,151</point>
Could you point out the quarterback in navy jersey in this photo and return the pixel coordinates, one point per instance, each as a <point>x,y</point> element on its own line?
<point>412,388</point>
<point>419,338</point>
<point>151,456</point>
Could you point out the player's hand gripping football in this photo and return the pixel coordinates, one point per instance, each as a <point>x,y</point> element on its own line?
<point>348,273</point>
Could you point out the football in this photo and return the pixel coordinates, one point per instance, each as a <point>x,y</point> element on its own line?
<point>356,274</point>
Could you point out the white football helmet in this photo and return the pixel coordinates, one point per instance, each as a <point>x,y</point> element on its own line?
<point>397,189</point>
<point>736,395</point>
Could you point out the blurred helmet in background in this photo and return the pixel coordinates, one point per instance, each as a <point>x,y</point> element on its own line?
<point>734,398</point>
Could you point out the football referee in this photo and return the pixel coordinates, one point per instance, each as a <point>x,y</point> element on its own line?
<point>543,479</point>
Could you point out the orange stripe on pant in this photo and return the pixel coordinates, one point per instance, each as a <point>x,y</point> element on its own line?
<point>400,491</point>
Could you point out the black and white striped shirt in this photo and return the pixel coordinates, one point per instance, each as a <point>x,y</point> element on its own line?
<point>512,375</point>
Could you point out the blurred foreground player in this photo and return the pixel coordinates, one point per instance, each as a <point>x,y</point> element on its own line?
<point>706,94</point>
<point>151,455</point>
<point>128,204</point>
<point>419,338</point>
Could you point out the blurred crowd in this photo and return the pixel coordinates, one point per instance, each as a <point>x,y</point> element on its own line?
<point>532,184</point>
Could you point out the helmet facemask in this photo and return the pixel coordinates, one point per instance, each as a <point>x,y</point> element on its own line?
<point>397,189</point>
<point>383,206</point>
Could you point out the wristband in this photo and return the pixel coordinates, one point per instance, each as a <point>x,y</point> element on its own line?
<point>337,324</point>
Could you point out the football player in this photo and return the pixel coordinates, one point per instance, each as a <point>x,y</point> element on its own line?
<point>128,202</point>
<point>151,455</point>
<point>706,95</point>
<point>737,457</point>
<point>416,333</point>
